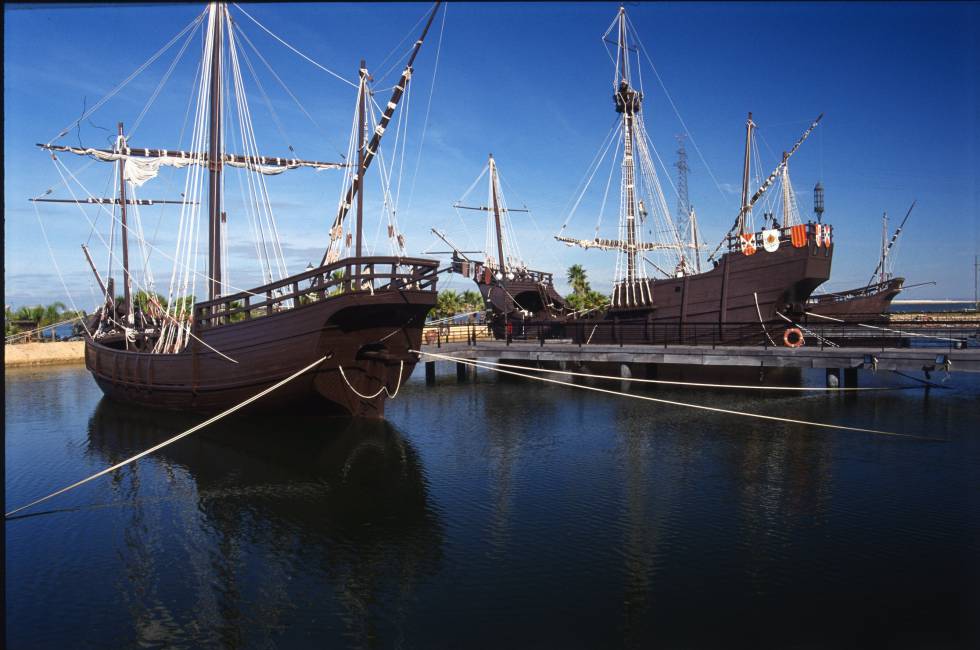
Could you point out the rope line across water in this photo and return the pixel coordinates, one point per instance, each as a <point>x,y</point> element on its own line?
<point>713,409</point>
<point>668,382</point>
<point>174,439</point>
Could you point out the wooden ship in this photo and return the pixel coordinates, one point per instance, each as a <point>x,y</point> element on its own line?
<point>761,278</point>
<point>518,299</point>
<point>362,313</point>
<point>871,302</point>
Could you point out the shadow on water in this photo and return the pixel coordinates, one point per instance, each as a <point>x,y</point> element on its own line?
<point>288,510</point>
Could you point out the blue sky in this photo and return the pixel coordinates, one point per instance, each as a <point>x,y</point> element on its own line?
<point>897,82</point>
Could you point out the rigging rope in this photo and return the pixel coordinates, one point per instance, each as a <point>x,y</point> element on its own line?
<point>136,73</point>
<point>701,407</point>
<point>759,312</point>
<point>163,82</point>
<point>20,335</point>
<point>938,338</point>
<point>676,112</point>
<point>185,330</point>
<point>266,30</point>
<point>54,261</point>
<point>813,334</point>
<point>428,106</point>
<point>174,439</point>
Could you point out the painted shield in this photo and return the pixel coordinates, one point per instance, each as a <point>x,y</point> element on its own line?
<point>770,240</point>
<point>826,236</point>
<point>798,236</point>
<point>748,243</point>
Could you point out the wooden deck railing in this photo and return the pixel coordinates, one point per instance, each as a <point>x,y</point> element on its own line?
<point>365,275</point>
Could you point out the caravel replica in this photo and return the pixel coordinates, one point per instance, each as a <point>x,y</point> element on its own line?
<point>361,313</point>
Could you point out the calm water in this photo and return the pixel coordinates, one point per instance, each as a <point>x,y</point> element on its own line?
<point>497,514</point>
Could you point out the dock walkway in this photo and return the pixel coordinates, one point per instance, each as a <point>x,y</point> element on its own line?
<point>868,358</point>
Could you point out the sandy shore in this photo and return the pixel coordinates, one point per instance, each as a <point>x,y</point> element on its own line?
<point>35,354</point>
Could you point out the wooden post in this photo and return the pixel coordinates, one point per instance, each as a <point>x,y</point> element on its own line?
<point>430,373</point>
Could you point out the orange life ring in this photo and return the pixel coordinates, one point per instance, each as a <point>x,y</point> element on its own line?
<point>793,337</point>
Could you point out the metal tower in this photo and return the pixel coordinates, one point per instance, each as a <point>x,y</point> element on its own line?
<point>683,202</point>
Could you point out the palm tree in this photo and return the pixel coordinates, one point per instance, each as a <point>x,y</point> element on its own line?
<point>582,295</point>
<point>447,304</point>
<point>471,300</point>
<point>578,280</point>
<point>143,298</point>
<point>53,313</point>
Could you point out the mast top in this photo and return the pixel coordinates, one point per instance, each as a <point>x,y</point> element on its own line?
<point>627,99</point>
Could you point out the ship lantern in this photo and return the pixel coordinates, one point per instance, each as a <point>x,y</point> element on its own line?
<point>818,201</point>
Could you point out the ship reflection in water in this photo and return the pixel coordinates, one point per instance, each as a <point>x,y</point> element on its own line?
<point>497,514</point>
<point>289,511</point>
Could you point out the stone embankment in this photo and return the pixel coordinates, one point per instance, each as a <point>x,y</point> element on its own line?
<point>932,317</point>
<point>37,354</point>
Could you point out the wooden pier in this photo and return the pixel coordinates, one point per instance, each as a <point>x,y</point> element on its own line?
<point>839,362</point>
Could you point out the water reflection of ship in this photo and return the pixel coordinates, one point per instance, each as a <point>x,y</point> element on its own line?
<point>507,442</point>
<point>337,499</point>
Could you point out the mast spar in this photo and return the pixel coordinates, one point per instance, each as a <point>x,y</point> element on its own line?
<point>628,103</point>
<point>739,220</point>
<point>891,243</point>
<point>496,215</point>
<point>127,283</point>
<point>214,154</point>
<point>749,125</point>
<point>372,147</point>
<point>362,96</point>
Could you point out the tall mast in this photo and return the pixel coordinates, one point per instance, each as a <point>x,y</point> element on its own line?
<point>215,156</point>
<point>362,92</point>
<point>372,147</point>
<point>882,276</point>
<point>496,214</point>
<point>787,198</point>
<point>898,231</point>
<point>683,201</point>
<point>125,229</point>
<point>628,103</point>
<point>749,124</point>
<point>694,240</point>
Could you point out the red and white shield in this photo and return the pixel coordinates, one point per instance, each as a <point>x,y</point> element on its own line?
<point>748,243</point>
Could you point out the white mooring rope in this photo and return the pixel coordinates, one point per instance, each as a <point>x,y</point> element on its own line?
<point>175,438</point>
<point>884,329</point>
<point>713,409</point>
<point>401,368</point>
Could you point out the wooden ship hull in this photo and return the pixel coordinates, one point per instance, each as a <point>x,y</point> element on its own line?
<point>367,333</point>
<point>734,299</point>
<point>866,304</point>
<point>354,320</point>
<point>516,298</point>
<point>527,302</point>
